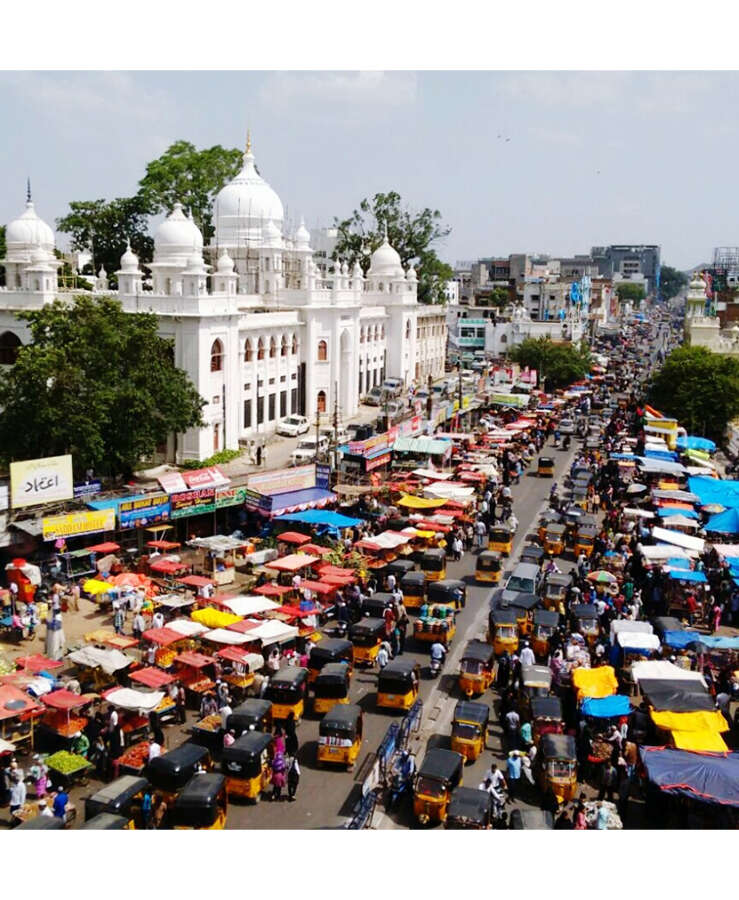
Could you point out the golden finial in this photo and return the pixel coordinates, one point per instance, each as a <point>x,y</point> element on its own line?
<point>248,140</point>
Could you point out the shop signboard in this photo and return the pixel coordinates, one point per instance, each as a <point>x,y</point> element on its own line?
<point>283,480</point>
<point>193,503</point>
<point>149,509</point>
<point>255,500</point>
<point>376,442</point>
<point>230,496</point>
<point>88,489</point>
<point>74,524</point>
<point>382,460</point>
<point>323,474</point>
<point>47,480</point>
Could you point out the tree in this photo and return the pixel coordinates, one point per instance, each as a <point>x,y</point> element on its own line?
<point>699,387</point>
<point>104,226</point>
<point>633,292</point>
<point>559,364</point>
<point>410,233</point>
<point>94,382</point>
<point>189,176</point>
<point>671,282</point>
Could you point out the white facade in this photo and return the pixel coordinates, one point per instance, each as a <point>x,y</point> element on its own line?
<point>259,328</point>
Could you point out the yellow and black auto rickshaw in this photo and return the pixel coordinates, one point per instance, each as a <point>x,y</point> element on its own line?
<point>470,728</point>
<point>247,765</point>
<point>331,687</point>
<point>585,540</point>
<point>122,797</point>
<point>554,539</point>
<point>536,681</point>
<point>366,636</point>
<point>546,717</point>
<point>556,586</point>
<point>397,684</point>
<point>202,803</point>
<point>476,668</point>
<point>340,736</point>
<point>330,650</point>
<point>286,691</point>
<point>550,517</point>
<point>253,714</point>
<point>438,624</point>
<point>469,809</point>
<point>546,622</point>
<point>449,592</point>
<point>500,539</point>
<point>103,822</point>
<point>488,567</point>
<point>524,605</point>
<point>503,631</point>
<point>557,765</point>
<point>545,469</point>
<point>585,620</point>
<point>433,564</point>
<point>440,773</point>
<point>170,772</point>
<point>413,586</point>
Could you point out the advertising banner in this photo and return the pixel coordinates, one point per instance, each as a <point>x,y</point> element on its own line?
<point>377,442</point>
<point>297,479</point>
<point>193,503</point>
<point>88,489</point>
<point>73,524</point>
<point>382,460</point>
<point>230,496</point>
<point>172,482</point>
<point>136,512</point>
<point>323,473</point>
<point>35,481</point>
<point>210,477</point>
<point>255,500</point>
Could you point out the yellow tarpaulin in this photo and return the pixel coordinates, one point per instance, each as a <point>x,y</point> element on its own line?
<point>425,534</point>
<point>95,587</point>
<point>419,502</point>
<point>214,618</point>
<point>699,720</point>
<point>699,741</point>
<point>600,682</point>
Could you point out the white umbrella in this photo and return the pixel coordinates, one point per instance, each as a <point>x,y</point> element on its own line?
<point>636,488</point>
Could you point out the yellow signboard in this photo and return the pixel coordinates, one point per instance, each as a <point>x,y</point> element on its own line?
<point>34,481</point>
<point>73,524</point>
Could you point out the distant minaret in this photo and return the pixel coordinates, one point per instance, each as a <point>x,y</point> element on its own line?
<point>28,190</point>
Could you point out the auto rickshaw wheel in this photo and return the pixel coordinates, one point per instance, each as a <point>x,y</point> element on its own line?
<point>257,798</point>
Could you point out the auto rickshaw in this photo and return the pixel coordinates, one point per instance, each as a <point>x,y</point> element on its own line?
<point>500,539</point>
<point>253,714</point>
<point>42,823</point>
<point>531,553</point>
<point>503,631</point>
<point>550,517</point>
<point>202,803</point>
<point>366,636</point>
<point>545,469</point>
<point>546,717</point>
<point>557,765</point>
<point>247,765</point>
<point>122,797</point>
<point>374,607</point>
<point>449,592</point>
<point>433,564</point>
<point>554,539</point>
<point>476,668</point>
<point>469,808</point>
<point>104,822</point>
<point>470,728</point>
<point>585,620</point>
<point>413,587</point>
<point>399,568</point>
<point>585,539</point>
<point>536,681</point>
<point>531,819</point>
<point>524,605</point>
<point>439,775</point>
<point>546,622</point>
<point>340,736</point>
<point>488,567</point>
<point>286,690</point>
<point>330,650</point>
<point>171,771</point>
<point>556,586</point>
<point>437,625</point>
<point>397,684</point>
<point>331,687</point>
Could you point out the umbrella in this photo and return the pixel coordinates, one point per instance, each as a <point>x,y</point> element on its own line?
<point>636,488</point>
<point>602,577</point>
<point>92,586</point>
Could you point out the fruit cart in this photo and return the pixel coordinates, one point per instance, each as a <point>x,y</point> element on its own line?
<point>192,670</point>
<point>134,759</point>
<point>157,680</point>
<point>207,733</point>
<point>168,643</point>
<point>134,708</point>
<point>18,715</point>
<point>67,769</point>
<point>64,717</point>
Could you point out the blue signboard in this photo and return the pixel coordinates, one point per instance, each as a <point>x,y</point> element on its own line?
<point>137,512</point>
<point>89,489</point>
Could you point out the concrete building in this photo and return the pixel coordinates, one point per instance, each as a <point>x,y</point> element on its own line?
<point>627,261</point>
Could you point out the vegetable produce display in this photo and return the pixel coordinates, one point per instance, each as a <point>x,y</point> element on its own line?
<point>66,763</point>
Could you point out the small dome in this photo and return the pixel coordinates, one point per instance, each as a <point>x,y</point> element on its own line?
<point>129,260</point>
<point>271,236</point>
<point>195,260</point>
<point>302,237</point>
<point>386,260</point>
<point>38,256</point>
<point>357,270</point>
<point>177,233</point>
<point>28,230</point>
<point>225,264</point>
<point>411,274</point>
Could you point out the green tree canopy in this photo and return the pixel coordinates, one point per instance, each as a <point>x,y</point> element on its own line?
<point>104,226</point>
<point>94,382</point>
<point>633,292</point>
<point>559,364</point>
<point>410,233</point>
<point>700,388</point>
<point>191,176</point>
<point>671,282</point>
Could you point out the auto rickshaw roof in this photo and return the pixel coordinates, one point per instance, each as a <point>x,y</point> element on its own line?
<point>524,819</point>
<point>400,566</point>
<point>587,531</point>
<point>469,803</point>
<point>443,764</point>
<point>434,553</point>
<point>550,515</point>
<point>560,579</point>
<point>478,650</point>
<point>530,551</point>
<point>667,623</point>
<point>249,744</point>
<point>504,617</point>
<point>396,667</point>
<point>367,626</point>
<point>413,578</point>
<point>253,708</point>
<point>333,672</point>
<point>558,746</point>
<point>546,461</point>
<point>104,822</point>
<point>585,611</point>
<point>119,791</point>
<point>489,555</point>
<point>470,711</point>
<point>42,823</point>
<point>448,584</point>
<point>546,617</point>
<point>676,695</point>
<point>398,523</point>
<point>329,648</point>
<point>524,601</point>
<point>201,791</point>
<point>290,675</point>
<point>588,520</point>
<point>536,676</point>
<point>382,597</point>
<point>498,530</point>
<point>342,717</point>
<point>546,708</point>
<point>174,761</point>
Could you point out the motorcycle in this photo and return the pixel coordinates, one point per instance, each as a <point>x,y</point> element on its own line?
<point>436,665</point>
<point>400,785</point>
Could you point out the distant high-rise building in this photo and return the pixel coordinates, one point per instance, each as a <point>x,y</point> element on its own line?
<point>627,261</point>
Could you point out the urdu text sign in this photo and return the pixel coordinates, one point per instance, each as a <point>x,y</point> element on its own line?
<point>35,481</point>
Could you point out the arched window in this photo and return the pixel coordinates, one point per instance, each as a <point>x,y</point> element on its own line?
<point>283,346</point>
<point>248,351</point>
<point>322,353</point>
<point>361,335</point>
<point>321,402</point>
<point>10,344</point>
<point>380,287</point>
<point>504,338</point>
<point>216,356</point>
<point>272,348</point>
<point>408,330</point>
<point>260,349</point>
<point>294,348</point>
<point>382,332</point>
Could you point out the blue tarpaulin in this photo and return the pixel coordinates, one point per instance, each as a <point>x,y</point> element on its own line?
<point>325,517</point>
<point>691,442</point>
<point>713,778</point>
<point>668,511</point>
<point>660,454</point>
<point>726,522</point>
<point>684,575</point>
<point>606,707</point>
<point>621,456</point>
<point>678,563</point>
<point>679,640</point>
<point>715,490</point>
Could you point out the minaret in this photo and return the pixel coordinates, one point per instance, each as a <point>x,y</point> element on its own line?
<point>695,302</point>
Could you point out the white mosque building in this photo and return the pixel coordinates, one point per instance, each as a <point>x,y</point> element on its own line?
<point>260,330</point>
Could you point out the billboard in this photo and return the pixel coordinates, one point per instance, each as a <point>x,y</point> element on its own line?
<point>46,480</point>
<point>136,512</point>
<point>193,503</point>
<point>74,524</point>
<point>297,479</point>
<point>230,496</point>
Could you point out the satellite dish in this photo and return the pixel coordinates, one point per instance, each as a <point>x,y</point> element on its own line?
<point>15,704</point>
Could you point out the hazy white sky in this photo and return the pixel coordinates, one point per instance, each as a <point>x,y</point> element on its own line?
<point>515,161</point>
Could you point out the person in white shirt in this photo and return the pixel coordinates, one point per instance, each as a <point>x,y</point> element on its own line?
<point>527,655</point>
<point>154,750</point>
<point>391,582</point>
<point>225,713</point>
<point>157,620</point>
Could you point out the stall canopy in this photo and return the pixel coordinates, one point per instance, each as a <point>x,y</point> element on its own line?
<point>174,601</point>
<point>252,661</point>
<point>679,640</point>
<point>186,627</point>
<point>167,566</point>
<point>152,677</point>
<point>660,467</point>
<point>293,537</point>
<point>272,590</point>
<point>326,518</point>
<point>109,661</point>
<point>135,701</point>
<point>214,618</point>
<point>430,473</point>
<point>600,682</point>
<point>676,696</point>
<point>702,720</point>
<point>249,606</point>
<point>226,636</point>
<point>699,741</point>
<point>607,707</point>
<point>671,512</point>
<point>712,779</point>
<point>661,668</point>
<point>273,632</point>
<point>715,490</point>
<point>425,445</point>
<point>218,543</point>
<point>298,501</point>
<point>292,563</point>
<point>37,663</point>
<point>638,641</point>
<point>161,636</point>
<point>196,581</point>
<point>450,491</point>
<point>678,539</point>
<point>66,700</point>
<point>106,547</point>
<point>692,442</point>
<point>413,502</point>
<point>687,575</point>
<point>726,522</point>
<point>15,702</point>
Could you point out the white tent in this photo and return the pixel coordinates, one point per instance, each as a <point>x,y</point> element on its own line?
<point>136,701</point>
<point>186,627</point>
<point>109,661</point>
<point>665,551</point>
<point>620,625</point>
<point>250,605</point>
<point>678,539</point>
<point>449,492</point>
<point>273,632</point>
<point>224,636</point>
<point>430,473</point>
<point>662,668</point>
<point>638,640</point>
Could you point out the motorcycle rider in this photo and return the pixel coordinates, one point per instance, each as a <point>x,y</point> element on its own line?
<point>438,654</point>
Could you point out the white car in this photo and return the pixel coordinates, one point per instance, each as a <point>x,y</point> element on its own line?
<point>567,426</point>
<point>342,436</point>
<point>308,449</point>
<point>292,426</point>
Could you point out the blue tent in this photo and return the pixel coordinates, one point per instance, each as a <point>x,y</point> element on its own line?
<point>714,490</point>
<point>330,520</point>
<point>684,575</point>
<point>707,777</point>
<point>679,640</point>
<point>661,454</point>
<point>726,522</point>
<point>606,707</point>
<point>691,442</point>
<point>666,512</point>
<point>678,563</point>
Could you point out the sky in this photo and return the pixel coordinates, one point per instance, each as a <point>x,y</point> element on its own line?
<point>531,161</point>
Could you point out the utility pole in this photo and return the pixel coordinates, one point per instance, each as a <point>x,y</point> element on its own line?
<point>335,453</point>
<point>318,430</point>
<point>459,396</point>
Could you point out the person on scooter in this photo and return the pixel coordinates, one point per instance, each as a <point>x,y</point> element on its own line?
<point>438,654</point>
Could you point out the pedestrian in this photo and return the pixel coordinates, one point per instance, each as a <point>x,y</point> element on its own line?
<point>139,626</point>
<point>402,627</point>
<point>59,806</point>
<point>279,741</point>
<point>608,781</point>
<point>527,655</point>
<point>278,776</point>
<point>293,778</point>
<point>159,810</point>
<point>513,776</point>
<point>181,704</point>
<point>383,656</point>
<point>146,804</point>
<point>291,735</point>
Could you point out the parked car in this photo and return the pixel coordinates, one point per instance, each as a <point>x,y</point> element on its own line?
<point>292,426</point>
<point>373,397</point>
<point>342,436</point>
<point>308,449</point>
<point>393,386</point>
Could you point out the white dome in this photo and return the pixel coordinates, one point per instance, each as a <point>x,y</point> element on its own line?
<point>28,230</point>
<point>411,274</point>
<point>129,260</point>
<point>245,205</point>
<point>177,234</point>
<point>195,262</point>
<point>271,236</point>
<point>225,264</point>
<point>386,261</point>
<point>302,237</point>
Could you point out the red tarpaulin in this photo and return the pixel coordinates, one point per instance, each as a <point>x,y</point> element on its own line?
<point>317,586</point>
<point>292,563</point>
<point>219,600</point>
<point>67,700</point>
<point>152,677</point>
<point>234,654</point>
<point>272,590</point>
<point>295,612</point>
<point>163,545</point>
<point>243,627</point>
<point>194,660</point>
<point>162,636</point>
<point>315,550</point>
<point>425,525</point>
<point>293,537</point>
<point>167,566</point>
<point>338,580</point>
<point>107,547</point>
<point>339,571</point>
<point>37,663</point>
<point>195,581</point>
<point>13,696</point>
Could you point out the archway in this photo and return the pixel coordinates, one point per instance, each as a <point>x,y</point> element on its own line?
<point>10,344</point>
